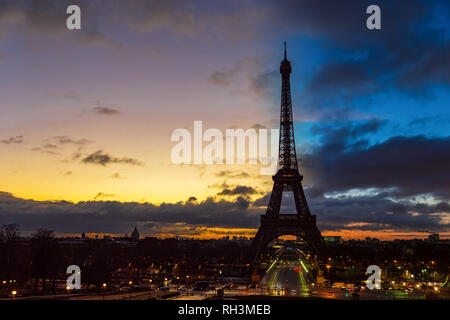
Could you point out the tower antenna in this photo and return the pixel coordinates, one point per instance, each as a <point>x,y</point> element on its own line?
<point>285,55</point>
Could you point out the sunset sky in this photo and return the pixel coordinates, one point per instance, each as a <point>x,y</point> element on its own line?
<point>86,116</point>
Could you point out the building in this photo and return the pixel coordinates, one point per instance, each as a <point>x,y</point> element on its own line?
<point>135,234</point>
<point>333,239</point>
<point>372,240</point>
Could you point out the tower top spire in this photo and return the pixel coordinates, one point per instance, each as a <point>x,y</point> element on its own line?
<point>285,66</point>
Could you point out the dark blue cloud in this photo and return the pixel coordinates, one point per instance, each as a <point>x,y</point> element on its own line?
<point>409,55</point>
<point>346,160</point>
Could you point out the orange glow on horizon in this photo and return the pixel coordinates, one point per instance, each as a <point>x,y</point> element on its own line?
<point>218,233</point>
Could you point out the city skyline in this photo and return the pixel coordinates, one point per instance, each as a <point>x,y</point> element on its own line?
<point>86,117</point>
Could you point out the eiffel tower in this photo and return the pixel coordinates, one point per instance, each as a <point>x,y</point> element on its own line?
<point>287,178</point>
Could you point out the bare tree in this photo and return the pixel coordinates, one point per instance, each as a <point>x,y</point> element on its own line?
<point>9,232</point>
<point>44,256</point>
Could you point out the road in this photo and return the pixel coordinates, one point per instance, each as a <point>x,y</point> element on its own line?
<point>286,278</point>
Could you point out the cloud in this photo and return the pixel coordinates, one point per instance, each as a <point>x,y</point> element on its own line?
<point>48,148</point>
<point>347,160</point>
<point>13,140</point>
<point>379,213</point>
<point>221,78</point>
<point>117,217</point>
<point>97,38</point>
<point>338,76</point>
<point>410,52</point>
<point>238,190</point>
<point>105,111</point>
<point>62,140</point>
<point>259,79</point>
<point>103,159</point>
<point>366,213</point>
<point>231,174</point>
<point>344,23</point>
<point>371,212</point>
<point>244,22</point>
<point>55,144</point>
<point>72,95</point>
<point>262,84</point>
<point>102,195</point>
<point>440,120</point>
<point>155,16</point>
<point>245,67</point>
<point>47,17</point>
<point>116,175</point>
<point>431,68</point>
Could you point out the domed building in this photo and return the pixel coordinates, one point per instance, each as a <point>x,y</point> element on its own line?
<point>135,234</point>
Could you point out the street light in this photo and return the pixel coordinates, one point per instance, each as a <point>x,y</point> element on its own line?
<point>329,278</point>
<point>13,294</point>
<point>104,287</point>
<point>129,291</point>
<point>187,285</point>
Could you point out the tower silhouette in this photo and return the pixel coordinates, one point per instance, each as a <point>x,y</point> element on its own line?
<point>287,178</point>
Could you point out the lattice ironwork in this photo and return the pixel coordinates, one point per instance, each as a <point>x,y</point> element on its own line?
<point>287,156</point>
<point>287,178</point>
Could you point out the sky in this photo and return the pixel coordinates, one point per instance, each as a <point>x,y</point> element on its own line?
<point>86,116</point>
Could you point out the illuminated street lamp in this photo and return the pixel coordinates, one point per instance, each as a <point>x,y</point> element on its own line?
<point>187,285</point>
<point>129,291</point>
<point>329,278</point>
<point>13,294</point>
<point>104,287</point>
